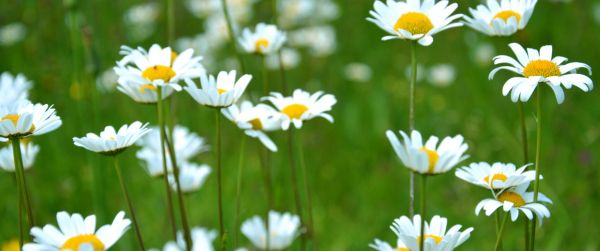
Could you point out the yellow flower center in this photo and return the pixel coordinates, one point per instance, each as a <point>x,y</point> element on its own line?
<point>507,14</point>
<point>402,249</point>
<point>261,44</point>
<point>294,111</point>
<point>158,72</point>
<point>513,197</point>
<point>173,56</point>
<point>256,124</point>
<point>14,118</point>
<point>221,91</point>
<point>414,22</point>
<point>433,157</point>
<point>497,176</point>
<point>436,238</point>
<point>147,87</point>
<point>544,68</point>
<point>73,243</point>
<point>12,245</point>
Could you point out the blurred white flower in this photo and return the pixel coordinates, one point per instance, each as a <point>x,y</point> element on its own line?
<point>12,33</point>
<point>596,12</point>
<point>191,177</point>
<point>216,31</point>
<point>140,20</point>
<point>320,40</point>
<point>240,10</point>
<point>202,45</point>
<point>107,81</point>
<point>28,152</point>
<point>283,229</point>
<point>13,88</point>
<point>266,39</point>
<point>291,59</point>
<point>421,72</point>
<point>298,12</point>
<point>202,239</point>
<point>484,53</point>
<point>358,72</point>
<point>111,141</point>
<point>441,75</point>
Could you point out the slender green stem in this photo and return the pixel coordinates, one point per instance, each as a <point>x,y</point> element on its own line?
<point>138,233</point>
<point>265,75</point>
<point>232,34</point>
<point>284,85</point>
<point>20,213</point>
<point>266,170</point>
<point>499,238</point>
<point>411,119</point>
<point>294,181</point>
<point>422,237</point>
<point>525,161</point>
<point>307,191</point>
<point>274,16</point>
<point>20,171</point>
<point>238,191</point>
<point>538,154</point>
<point>219,177</point>
<point>161,124</point>
<point>171,22</point>
<point>498,222</point>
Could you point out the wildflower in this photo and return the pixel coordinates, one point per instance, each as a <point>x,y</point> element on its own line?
<point>302,106</point>
<point>112,142</point>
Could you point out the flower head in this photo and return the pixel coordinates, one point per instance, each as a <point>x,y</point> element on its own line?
<point>516,200</point>
<point>191,177</point>
<point>414,19</point>
<point>28,153</point>
<point>302,106</point>
<point>497,176</point>
<point>502,18</point>
<point>220,92</point>
<point>255,121</point>
<point>535,67</point>
<point>13,88</point>
<point>266,39</point>
<point>283,229</point>
<point>111,141</point>
<point>76,233</point>
<point>201,238</point>
<point>429,158</point>
<point>384,246</point>
<point>436,235</point>
<point>22,119</point>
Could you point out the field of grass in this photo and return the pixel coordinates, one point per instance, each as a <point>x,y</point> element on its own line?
<point>359,186</point>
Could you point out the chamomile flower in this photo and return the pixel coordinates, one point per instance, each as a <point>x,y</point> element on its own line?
<point>185,143</point>
<point>516,200</point>
<point>302,106</point>
<point>13,88</point>
<point>414,19</point>
<point>436,236</point>
<point>201,238</point>
<point>283,229</point>
<point>537,67</point>
<point>501,18</point>
<point>384,246</point>
<point>255,121</point>
<point>111,141</point>
<point>75,232</point>
<point>28,153</point>
<point>497,176</point>
<point>22,119</point>
<point>143,71</point>
<point>220,92</point>
<point>266,39</point>
<point>191,177</point>
<point>430,158</point>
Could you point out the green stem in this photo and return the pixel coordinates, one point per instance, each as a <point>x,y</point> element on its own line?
<point>232,34</point>
<point>161,124</point>
<point>238,191</point>
<point>538,153</point>
<point>266,169</point>
<point>294,181</point>
<point>265,75</point>
<point>20,214</point>
<point>310,225</point>
<point>526,161</point>
<point>284,85</point>
<point>171,22</point>
<point>497,216</point>
<point>219,177</point>
<point>20,171</point>
<point>274,16</point>
<point>411,119</point>
<point>138,233</point>
<point>423,211</point>
<point>499,238</point>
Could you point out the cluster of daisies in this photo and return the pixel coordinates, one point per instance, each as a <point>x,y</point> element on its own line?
<point>418,21</point>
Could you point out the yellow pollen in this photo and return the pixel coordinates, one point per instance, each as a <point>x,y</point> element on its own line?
<point>436,238</point>
<point>414,22</point>
<point>294,111</point>
<point>513,197</point>
<point>12,245</point>
<point>74,242</point>
<point>544,68</point>
<point>402,249</point>
<point>497,176</point>
<point>433,157</point>
<point>147,87</point>
<point>507,14</point>
<point>256,124</point>
<point>261,44</point>
<point>158,72</point>
<point>221,91</point>
<point>173,56</point>
<point>14,118</point>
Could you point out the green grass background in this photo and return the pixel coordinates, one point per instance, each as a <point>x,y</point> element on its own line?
<point>359,185</point>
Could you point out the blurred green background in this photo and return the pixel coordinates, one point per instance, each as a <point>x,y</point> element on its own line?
<point>358,184</point>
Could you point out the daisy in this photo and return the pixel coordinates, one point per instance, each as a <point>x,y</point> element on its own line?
<point>112,142</point>
<point>143,93</point>
<point>186,144</point>
<point>537,67</point>
<point>74,232</point>
<point>384,246</point>
<point>255,121</point>
<point>436,236</point>
<point>191,177</point>
<point>283,229</point>
<point>413,19</point>
<point>201,237</point>
<point>302,106</point>
<point>514,200</point>
<point>22,119</point>
<point>501,19</point>
<point>145,71</point>
<point>266,39</point>
<point>498,176</point>
<point>221,92</point>
<point>13,88</point>
<point>429,158</point>
<point>28,153</point>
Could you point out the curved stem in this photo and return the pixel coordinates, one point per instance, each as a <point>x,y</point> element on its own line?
<point>219,185</point>
<point>20,171</point>
<point>310,223</point>
<point>422,237</point>
<point>161,124</point>
<point>266,169</point>
<point>294,181</point>
<point>525,161</point>
<point>501,232</point>
<point>138,234</point>
<point>232,34</point>
<point>238,191</point>
<point>411,119</point>
<point>538,153</point>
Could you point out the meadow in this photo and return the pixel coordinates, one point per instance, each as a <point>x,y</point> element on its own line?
<point>358,184</point>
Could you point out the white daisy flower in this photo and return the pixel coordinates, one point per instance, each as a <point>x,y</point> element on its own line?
<point>191,177</point>
<point>201,238</point>
<point>429,158</point>
<point>112,142</point>
<point>537,67</point>
<point>289,57</point>
<point>28,152</point>
<point>283,229</point>
<point>302,106</point>
<point>384,246</point>
<point>436,236</point>
<point>77,234</point>
<point>441,75</point>
<point>502,18</point>
<point>13,88</point>
<point>255,121</point>
<point>514,200</point>
<point>185,143</point>
<point>143,71</point>
<point>12,33</point>
<point>498,176</point>
<point>266,39</point>
<point>22,119</point>
<point>221,92</point>
<point>319,40</point>
<point>414,19</point>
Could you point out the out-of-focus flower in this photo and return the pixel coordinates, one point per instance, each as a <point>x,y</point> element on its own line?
<point>516,200</point>
<point>484,53</point>
<point>441,75</point>
<point>220,92</point>
<point>497,176</point>
<point>191,177</point>
<point>11,34</point>
<point>320,40</point>
<point>140,20</point>
<point>28,153</point>
<point>202,44</point>
<point>202,239</point>
<point>421,72</point>
<point>384,246</point>
<point>240,10</point>
<point>107,81</point>
<point>501,18</point>
<point>291,58</point>
<point>255,121</point>
<point>216,30</point>
<point>22,119</point>
<point>112,142</point>
<point>302,106</point>
<point>358,72</point>
<point>436,237</point>
<point>283,229</point>
<point>298,12</point>
<point>13,89</point>
<point>266,39</point>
